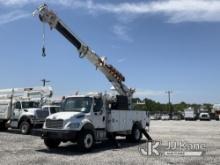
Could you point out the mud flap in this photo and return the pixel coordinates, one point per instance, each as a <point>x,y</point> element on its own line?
<point>115,142</point>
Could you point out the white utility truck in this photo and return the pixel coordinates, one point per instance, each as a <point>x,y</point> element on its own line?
<point>21,107</point>
<point>216,111</point>
<point>93,117</point>
<point>190,114</point>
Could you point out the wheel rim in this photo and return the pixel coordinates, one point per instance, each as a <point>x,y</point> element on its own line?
<point>24,128</point>
<point>88,141</point>
<point>137,134</point>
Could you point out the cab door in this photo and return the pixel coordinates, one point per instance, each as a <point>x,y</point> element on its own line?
<point>16,114</point>
<point>98,114</point>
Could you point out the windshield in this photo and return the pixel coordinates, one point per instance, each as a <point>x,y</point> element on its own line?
<point>30,104</point>
<point>78,104</point>
<point>54,110</point>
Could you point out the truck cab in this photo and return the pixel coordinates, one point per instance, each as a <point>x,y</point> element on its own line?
<point>50,109</point>
<point>26,114</point>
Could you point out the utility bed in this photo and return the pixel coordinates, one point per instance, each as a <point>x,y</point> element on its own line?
<point>123,120</point>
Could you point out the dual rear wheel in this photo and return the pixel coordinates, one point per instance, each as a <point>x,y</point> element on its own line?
<point>135,135</point>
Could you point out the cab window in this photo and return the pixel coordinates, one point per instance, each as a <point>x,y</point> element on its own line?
<point>98,103</point>
<point>18,105</point>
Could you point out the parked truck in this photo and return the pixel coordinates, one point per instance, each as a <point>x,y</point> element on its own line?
<point>93,117</point>
<point>190,114</point>
<point>21,108</point>
<point>216,111</point>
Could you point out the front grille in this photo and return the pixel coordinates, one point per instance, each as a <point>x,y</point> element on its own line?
<point>54,123</point>
<point>42,114</point>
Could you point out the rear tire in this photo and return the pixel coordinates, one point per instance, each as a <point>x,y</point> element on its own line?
<point>25,127</point>
<point>86,140</point>
<point>136,134</point>
<point>51,143</point>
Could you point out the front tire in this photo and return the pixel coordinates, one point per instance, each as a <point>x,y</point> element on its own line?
<point>86,140</point>
<point>51,143</point>
<point>25,127</point>
<point>3,126</point>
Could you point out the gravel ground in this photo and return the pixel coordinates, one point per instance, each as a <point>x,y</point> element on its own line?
<point>25,150</point>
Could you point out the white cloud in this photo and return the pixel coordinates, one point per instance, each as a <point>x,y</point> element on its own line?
<point>121,32</point>
<point>175,11</point>
<point>121,60</point>
<point>13,16</point>
<point>18,3</point>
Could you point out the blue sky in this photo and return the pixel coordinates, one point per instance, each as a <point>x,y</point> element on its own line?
<point>158,45</point>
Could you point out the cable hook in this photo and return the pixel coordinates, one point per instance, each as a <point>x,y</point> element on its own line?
<point>43,47</point>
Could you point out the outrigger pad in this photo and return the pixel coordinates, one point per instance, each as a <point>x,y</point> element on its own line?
<point>146,135</point>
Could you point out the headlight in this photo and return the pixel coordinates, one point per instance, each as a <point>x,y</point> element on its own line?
<point>73,125</point>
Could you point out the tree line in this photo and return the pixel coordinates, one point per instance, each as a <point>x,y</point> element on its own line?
<point>153,106</point>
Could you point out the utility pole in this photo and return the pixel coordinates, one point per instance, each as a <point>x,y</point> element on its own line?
<point>45,81</point>
<point>169,102</point>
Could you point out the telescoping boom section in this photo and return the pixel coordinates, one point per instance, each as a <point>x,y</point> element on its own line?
<point>111,73</point>
<point>26,92</point>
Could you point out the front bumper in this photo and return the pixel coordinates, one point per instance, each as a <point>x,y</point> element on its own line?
<point>37,123</point>
<point>204,118</point>
<point>63,135</point>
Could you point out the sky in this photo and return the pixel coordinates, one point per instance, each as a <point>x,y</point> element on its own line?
<point>158,45</point>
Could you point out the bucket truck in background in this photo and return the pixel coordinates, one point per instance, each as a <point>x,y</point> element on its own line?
<point>21,107</point>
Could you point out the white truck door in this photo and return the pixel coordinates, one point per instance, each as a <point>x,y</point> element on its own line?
<point>98,114</point>
<point>16,114</point>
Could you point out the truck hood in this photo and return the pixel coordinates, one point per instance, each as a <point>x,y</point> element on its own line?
<point>31,110</point>
<point>65,115</point>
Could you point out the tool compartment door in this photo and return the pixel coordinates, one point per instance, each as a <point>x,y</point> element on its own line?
<point>113,122</point>
<point>4,111</point>
<point>123,120</point>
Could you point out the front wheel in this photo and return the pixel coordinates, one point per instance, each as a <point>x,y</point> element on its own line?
<point>3,126</point>
<point>86,140</point>
<point>25,127</point>
<point>51,143</point>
